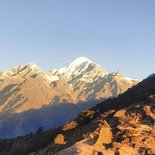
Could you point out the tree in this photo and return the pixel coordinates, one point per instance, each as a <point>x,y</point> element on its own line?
<point>40,131</point>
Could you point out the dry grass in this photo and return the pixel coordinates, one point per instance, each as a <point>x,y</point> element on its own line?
<point>70,125</point>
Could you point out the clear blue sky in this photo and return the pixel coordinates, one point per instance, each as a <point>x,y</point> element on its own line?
<point>117,34</point>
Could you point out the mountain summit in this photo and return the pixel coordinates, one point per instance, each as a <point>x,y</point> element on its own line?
<point>82,69</point>
<point>21,69</point>
<point>28,94</point>
<point>81,65</point>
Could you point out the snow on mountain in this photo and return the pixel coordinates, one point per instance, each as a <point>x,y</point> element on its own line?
<point>131,80</point>
<point>51,78</point>
<point>82,69</point>
<point>75,66</point>
<point>22,69</point>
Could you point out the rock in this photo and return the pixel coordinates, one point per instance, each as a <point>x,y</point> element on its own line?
<point>105,137</point>
<point>59,139</point>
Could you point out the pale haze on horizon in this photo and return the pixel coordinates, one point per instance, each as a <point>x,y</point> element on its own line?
<point>118,35</point>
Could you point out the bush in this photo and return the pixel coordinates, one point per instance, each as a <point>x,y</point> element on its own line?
<point>70,125</point>
<point>85,116</point>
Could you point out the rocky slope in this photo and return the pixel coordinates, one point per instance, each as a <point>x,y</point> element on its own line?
<point>130,131</point>
<point>32,98</point>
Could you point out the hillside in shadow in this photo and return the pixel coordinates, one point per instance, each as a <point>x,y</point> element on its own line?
<point>52,116</point>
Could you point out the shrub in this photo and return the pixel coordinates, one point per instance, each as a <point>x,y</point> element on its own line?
<point>70,125</point>
<point>85,116</point>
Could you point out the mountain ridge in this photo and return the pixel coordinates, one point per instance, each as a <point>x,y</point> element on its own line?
<point>27,89</point>
<point>77,76</point>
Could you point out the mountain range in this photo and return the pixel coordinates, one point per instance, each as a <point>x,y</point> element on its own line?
<point>31,98</point>
<point>123,125</point>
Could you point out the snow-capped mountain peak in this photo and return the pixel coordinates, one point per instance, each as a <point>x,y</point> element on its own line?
<point>82,68</point>
<point>31,67</point>
<point>79,62</point>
